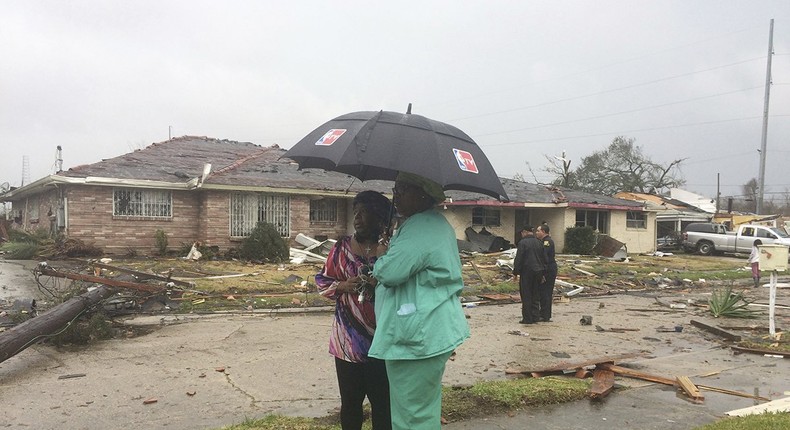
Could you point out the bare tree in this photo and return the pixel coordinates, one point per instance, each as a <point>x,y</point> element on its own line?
<point>623,167</point>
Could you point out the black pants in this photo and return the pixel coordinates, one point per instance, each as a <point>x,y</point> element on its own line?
<point>528,289</point>
<point>357,380</point>
<point>546,294</point>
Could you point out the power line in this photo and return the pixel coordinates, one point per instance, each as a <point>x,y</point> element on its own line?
<point>621,112</point>
<point>604,67</point>
<point>622,132</point>
<point>607,91</point>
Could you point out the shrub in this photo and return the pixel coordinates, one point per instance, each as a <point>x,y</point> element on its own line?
<point>161,241</point>
<point>579,240</point>
<point>20,250</point>
<point>264,244</point>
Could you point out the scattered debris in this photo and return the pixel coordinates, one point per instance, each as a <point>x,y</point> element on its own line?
<point>150,401</point>
<point>691,390</point>
<point>71,375</point>
<point>518,333</point>
<point>717,331</point>
<point>586,320</point>
<point>603,382</point>
<point>16,339</point>
<point>766,352</point>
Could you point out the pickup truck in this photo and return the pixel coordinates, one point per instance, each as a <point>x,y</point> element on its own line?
<point>739,241</point>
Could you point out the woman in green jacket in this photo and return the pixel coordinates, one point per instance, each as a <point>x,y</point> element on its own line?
<point>418,311</point>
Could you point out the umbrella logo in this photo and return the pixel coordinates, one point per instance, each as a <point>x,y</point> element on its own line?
<point>330,137</point>
<point>465,161</point>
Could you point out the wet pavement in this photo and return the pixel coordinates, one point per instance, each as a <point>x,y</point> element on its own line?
<point>208,371</point>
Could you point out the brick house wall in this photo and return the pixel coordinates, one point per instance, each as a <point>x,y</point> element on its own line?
<point>90,219</point>
<point>197,216</point>
<point>300,219</point>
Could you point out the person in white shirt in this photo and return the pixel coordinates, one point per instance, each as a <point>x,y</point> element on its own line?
<point>754,260</point>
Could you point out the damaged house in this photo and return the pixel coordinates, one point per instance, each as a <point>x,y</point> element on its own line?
<point>196,189</point>
<point>623,220</point>
<point>199,189</point>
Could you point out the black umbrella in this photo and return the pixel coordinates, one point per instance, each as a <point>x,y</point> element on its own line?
<point>378,145</point>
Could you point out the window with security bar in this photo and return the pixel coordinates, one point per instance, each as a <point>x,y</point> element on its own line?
<point>484,216</point>
<point>324,210</point>
<point>248,209</point>
<point>142,203</point>
<point>599,220</point>
<point>634,219</point>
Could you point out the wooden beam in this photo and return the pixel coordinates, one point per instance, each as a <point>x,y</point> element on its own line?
<point>17,338</point>
<point>141,275</point>
<point>636,374</point>
<point>603,382</point>
<point>717,331</point>
<point>732,393</point>
<point>48,271</point>
<point>691,390</point>
<point>565,365</point>
<point>784,354</point>
<point>624,371</point>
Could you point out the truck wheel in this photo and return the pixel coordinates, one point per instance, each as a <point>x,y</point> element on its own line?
<point>705,248</point>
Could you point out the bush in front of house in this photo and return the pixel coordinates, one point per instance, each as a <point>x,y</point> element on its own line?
<point>264,244</point>
<point>161,241</point>
<point>579,240</point>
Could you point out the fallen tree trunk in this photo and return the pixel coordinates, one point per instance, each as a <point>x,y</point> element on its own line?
<point>16,339</point>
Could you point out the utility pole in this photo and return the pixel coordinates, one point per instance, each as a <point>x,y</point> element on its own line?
<point>763,141</point>
<point>718,191</point>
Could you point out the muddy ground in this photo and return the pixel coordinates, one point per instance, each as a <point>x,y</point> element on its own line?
<point>195,372</point>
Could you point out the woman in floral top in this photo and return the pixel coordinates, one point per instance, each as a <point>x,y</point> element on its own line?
<point>344,278</point>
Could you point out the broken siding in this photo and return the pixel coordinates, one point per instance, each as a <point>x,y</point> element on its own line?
<point>37,212</point>
<point>460,218</point>
<point>637,240</point>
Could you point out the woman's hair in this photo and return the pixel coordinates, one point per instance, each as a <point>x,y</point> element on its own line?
<point>758,242</point>
<point>375,202</point>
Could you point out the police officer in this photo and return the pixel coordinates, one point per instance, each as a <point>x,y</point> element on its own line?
<point>546,288</point>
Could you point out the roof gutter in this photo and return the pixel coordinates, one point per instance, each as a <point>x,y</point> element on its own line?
<point>39,185</point>
<point>496,203</point>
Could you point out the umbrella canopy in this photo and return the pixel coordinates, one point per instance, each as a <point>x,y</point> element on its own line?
<point>378,145</point>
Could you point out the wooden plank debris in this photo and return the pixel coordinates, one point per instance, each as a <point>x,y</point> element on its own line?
<point>784,354</point>
<point>717,331</point>
<point>691,390</point>
<point>141,275</point>
<point>585,272</point>
<point>603,382</point>
<point>624,371</point>
<point>636,374</point>
<point>731,392</point>
<point>573,366</point>
<point>49,271</point>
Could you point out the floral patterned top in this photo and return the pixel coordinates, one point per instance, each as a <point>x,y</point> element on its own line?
<point>354,322</point>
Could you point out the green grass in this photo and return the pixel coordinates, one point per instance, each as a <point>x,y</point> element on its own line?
<point>479,400</point>
<point>766,421</point>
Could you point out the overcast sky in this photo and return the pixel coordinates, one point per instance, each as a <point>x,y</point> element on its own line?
<point>525,79</point>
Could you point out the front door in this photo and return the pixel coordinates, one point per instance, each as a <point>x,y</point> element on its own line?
<point>521,219</point>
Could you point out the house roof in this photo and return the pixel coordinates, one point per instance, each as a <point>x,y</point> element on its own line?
<point>524,192</point>
<point>233,165</point>
<point>657,202</point>
<point>179,164</point>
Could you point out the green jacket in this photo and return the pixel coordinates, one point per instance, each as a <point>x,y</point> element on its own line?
<point>418,311</point>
